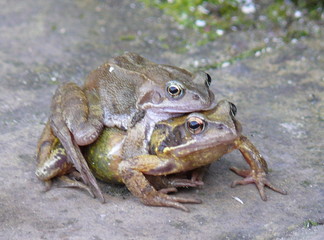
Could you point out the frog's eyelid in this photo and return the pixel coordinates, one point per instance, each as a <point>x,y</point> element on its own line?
<point>197,115</point>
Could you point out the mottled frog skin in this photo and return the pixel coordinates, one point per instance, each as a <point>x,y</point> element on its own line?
<point>126,90</point>
<point>178,145</point>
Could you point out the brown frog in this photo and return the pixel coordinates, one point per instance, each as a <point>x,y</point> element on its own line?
<point>177,145</point>
<point>122,92</point>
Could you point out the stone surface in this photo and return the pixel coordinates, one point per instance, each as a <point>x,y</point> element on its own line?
<point>279,96</point>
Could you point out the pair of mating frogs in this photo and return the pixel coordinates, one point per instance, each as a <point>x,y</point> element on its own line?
<point>142,124</point>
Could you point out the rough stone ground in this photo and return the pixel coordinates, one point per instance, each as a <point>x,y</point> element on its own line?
<point>279,96</point>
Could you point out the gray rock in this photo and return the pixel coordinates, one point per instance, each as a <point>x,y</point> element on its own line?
<point>279,96</point>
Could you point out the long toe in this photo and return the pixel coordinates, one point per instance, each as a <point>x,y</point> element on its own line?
<point>242,173</point>
<point>274,188</point>
<point>185,200</point>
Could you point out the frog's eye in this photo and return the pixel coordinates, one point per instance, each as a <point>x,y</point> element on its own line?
<point>195,125</point>
<point>233,109</point>
<point>208,80</point>
<point>174,89</point>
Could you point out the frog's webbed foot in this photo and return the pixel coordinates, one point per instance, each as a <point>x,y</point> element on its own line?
<point>72,183</point>
<point>258,171</point>
<point>161,199</point>
<point>258,178</point>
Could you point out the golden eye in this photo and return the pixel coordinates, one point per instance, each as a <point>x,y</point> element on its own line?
<point>195,125</point>
<point>175,90</point>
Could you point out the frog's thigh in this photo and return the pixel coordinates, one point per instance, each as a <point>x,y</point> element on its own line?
<point>57,165</point>
<point>54,165</point>
<point>45,144</point>
<point>82,113</point>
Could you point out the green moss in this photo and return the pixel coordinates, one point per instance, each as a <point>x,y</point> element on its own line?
<point>54,27</point>
<point>276,12</point>
<point>127,37</point>
<point>310,223</point>
<point>314,7</point>
<point>295,34</point>
<point>181,50</point>
<point>165,46</point>
<point>211,16</point>
<point>204,16</point>
<point>305,183</point>
<point>232,60</point>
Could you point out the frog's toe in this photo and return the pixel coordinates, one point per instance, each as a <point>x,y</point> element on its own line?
<point>168,190</point>
<point>274,188</point>
<point>179,182</point>
<point>242,173</point>
<point>68,182</point>
<point>248,180</point>
<point>163,200</point>
<point>259,179</point>
<point>185,200</point>
<point>48,185</point>
<point>177,205</point>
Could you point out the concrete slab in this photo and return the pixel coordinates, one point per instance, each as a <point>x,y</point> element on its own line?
<point>279,96</point>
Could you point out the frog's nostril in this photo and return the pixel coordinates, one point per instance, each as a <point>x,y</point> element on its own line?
<point>195,97</point>
<point>220,126</point>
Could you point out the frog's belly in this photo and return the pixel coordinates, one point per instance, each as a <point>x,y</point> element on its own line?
<point>104,155</point>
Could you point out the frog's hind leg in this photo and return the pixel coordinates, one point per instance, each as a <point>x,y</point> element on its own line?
<point>51,158</point>
<point>72,183</point>
<point>53,163</point>
<point>46,143</point>
<point>81,111</point>
<point>62,132</point>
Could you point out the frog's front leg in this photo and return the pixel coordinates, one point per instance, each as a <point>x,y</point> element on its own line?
<point>259,169</point>
<point>132,172</point>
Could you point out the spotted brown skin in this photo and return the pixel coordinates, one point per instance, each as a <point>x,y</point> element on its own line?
<point>178,145</point>
<point>120,93</point>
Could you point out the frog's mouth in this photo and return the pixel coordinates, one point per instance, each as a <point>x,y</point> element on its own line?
<point>178,111</point>
<point>190,103</point>
<point>195,145</point>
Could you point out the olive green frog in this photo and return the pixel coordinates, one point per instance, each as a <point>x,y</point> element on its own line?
<point>120,93</point>
<point>177,145</point>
